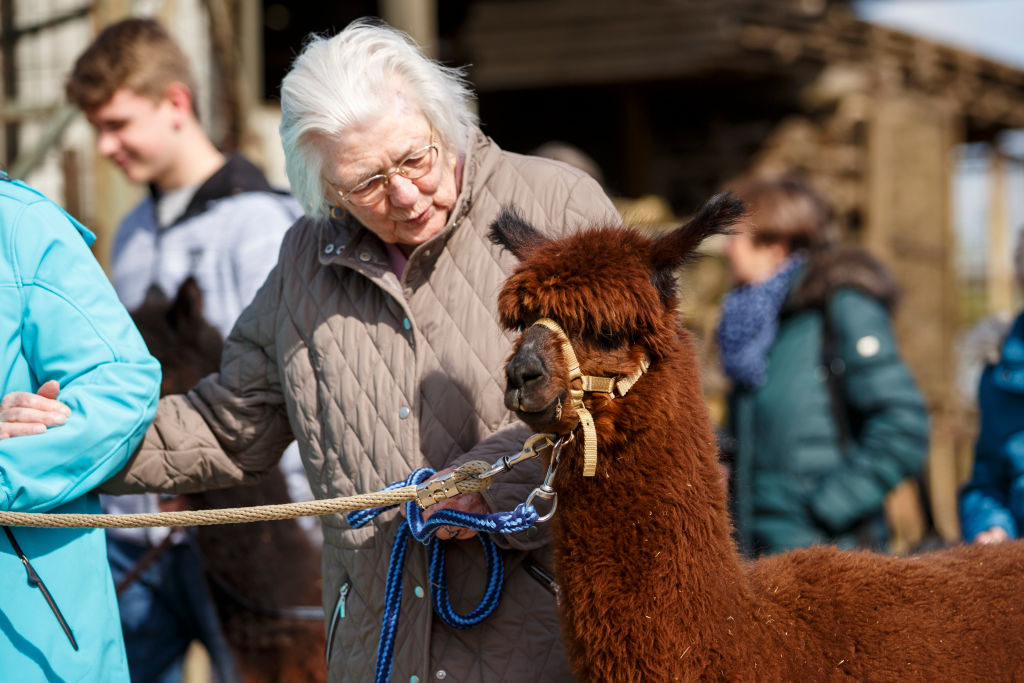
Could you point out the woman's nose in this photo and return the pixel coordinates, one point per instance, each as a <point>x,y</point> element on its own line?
<point>402,191</point>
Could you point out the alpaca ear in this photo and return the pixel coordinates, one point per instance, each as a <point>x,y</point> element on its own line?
<point>511,231</point>
<point>672,250</point>
<point>186,312</point>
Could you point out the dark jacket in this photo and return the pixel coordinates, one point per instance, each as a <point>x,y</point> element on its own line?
<point>816,450</point>
<point>995,494</point>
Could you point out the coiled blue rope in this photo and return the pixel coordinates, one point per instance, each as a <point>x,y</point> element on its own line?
<point>523,517</point>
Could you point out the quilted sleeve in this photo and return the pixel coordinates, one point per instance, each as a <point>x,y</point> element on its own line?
<point>231,428</point>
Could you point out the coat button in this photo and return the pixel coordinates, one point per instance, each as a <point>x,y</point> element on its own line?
<point>403,412</point>
<point>364,256</point>
<point>406,324</point>
<point>418,591</point>
<point>441,674</point>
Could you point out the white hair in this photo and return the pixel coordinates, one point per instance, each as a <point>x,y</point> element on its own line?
<point>352,78</point>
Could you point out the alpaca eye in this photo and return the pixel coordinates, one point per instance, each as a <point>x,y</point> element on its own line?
<point>609,338</point>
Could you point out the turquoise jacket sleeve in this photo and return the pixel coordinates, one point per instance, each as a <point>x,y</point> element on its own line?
<point>73,330</point>
<point>888,417</point>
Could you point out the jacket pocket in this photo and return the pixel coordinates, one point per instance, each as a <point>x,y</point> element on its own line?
<point>339,614</point>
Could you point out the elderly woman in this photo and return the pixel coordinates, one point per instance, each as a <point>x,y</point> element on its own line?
<point>375,344</point>
<point>825,417</point>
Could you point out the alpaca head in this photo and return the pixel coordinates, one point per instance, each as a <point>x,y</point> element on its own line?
<point>612,291</point>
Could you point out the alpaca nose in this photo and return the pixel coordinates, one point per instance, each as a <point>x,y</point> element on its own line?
<point>524,370</point>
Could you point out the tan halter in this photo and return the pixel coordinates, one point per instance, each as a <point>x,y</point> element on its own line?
<point>605,385</point>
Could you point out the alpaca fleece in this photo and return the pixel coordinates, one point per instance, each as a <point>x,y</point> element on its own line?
<point>653,588</point>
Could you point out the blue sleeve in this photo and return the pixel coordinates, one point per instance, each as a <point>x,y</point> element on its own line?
<point>985,499</point>
<point>74,330</point>
<point>891,427</point>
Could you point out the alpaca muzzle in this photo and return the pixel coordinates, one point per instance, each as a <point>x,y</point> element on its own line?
<point>589,383</point>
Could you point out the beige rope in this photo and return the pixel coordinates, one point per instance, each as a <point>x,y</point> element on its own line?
<point>205,517</point>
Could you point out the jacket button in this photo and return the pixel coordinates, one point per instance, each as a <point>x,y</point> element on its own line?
<point>441,674</point>
<point>364,256</point>
<point>403,412</point>
<point>406,324</point>
<point>418,591</point>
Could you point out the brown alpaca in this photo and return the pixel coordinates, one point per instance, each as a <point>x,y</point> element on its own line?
<point>653,588</point>
<point>256,571</point>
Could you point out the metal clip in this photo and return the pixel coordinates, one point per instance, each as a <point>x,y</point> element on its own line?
<point>436,490</point>
<point>545,490</point>
<point>531,449</point>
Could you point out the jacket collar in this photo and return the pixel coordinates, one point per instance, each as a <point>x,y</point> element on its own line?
<point>845,267</point>
<point>236,176</point>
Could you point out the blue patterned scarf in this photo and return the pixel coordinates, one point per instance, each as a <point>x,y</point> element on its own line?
<point>750,320</point>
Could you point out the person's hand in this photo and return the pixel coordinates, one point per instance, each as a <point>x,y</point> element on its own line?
<point>996,534</point>
<point>466,502</point>
<point>23,413</point>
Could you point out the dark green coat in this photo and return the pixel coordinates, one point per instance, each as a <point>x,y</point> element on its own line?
<point>796,480</point>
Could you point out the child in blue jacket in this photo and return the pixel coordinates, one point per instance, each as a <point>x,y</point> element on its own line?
<point>992,502</point>
<point>62,328</point>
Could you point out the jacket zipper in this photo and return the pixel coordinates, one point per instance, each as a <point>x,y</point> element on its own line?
<point>339,613</point>
<point>36,581</point>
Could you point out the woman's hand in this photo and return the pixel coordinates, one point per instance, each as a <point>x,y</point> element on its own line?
<point>23,413</point>
<point>996,534</point>
<point>466,502</point>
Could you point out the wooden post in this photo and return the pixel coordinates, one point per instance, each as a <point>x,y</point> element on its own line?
<point>114,194</point>
<point>418,18</point>
<point>910,172</point>
<point>999,280</point>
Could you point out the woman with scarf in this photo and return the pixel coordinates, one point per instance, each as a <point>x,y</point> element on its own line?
<point>824,416</point>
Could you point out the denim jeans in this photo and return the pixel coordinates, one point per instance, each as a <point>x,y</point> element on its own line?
<point>164,610</point>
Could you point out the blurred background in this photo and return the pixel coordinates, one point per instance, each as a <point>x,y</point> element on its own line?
<point>907,114</point>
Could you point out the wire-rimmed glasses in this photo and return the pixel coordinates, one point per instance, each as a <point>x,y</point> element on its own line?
<point>415,165</point>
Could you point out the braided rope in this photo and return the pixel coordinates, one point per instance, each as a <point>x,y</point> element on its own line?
<point>362,501</point>
<point>523,517</point>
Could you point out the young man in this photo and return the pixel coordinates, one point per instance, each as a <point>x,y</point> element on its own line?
<point>206,215</point>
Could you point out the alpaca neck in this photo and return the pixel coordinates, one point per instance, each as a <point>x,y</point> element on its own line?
<point>649,534</point>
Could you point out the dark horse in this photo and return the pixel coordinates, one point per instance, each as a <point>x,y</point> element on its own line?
<point>258,572</point>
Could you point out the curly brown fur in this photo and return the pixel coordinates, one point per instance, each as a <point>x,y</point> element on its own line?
<point>653,588</point>
<point>268,564</point>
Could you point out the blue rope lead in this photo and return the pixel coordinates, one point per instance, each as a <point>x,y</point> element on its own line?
<point>523,517</point>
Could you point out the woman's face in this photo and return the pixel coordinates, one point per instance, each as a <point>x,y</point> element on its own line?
<point>751,262</point>
<point>411,211</point>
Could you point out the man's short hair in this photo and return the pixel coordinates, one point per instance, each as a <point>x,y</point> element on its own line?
<point>137,54</point>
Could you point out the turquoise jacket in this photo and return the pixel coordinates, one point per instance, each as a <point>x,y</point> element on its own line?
<point>60,319</point>
<point>800,477</point>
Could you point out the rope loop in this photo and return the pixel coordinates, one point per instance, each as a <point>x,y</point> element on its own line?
<point>424,531</point>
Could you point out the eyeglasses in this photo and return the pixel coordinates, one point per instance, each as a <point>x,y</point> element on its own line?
<point>415,165</point>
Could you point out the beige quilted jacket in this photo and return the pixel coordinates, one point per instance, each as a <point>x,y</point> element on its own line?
<point>375,377</point>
